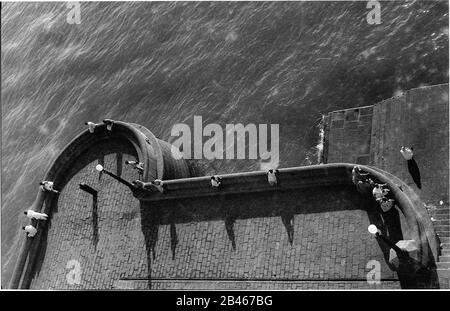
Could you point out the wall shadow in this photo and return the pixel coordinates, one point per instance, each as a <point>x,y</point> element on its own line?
<point>414,171</point>
<point>281,203</point>
<point>95,236</point>
<point>414,275</point>
<point>173,239</point>
<point>287,217</point>
<point>230,218</point>
<point>150,221</point>
<point>119,164</point>
<point>262,204</point>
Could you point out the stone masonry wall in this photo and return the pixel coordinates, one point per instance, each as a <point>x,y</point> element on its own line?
<point>418,118</point>
<point>348,138</point>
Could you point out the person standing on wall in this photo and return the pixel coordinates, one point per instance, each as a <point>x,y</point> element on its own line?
<point>413,168</point>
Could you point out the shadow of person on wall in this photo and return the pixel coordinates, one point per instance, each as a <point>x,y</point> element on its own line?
<point>414,171</point>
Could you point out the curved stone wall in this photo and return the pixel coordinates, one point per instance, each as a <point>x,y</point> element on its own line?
<point>134,140</point>
<point>99,233</point>
<point>310,231</point>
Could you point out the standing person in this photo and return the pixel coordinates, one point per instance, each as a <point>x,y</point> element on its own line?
<point>358,174</point>
<point>386,204</point>
<point>413,168</point>
<point>32,214</point>
<point>272,177</point>
<point>91,126</point>
<point>158,184</point>
<point>366,186</point>
<point>30,230</point>
<point>215,181</point>
<point>47,186</point>
<point>109,124</point>
<point>379,193</point>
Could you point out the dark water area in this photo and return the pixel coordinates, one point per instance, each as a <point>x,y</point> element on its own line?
<point>158,64</point>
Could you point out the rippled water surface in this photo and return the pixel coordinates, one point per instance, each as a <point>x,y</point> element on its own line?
<point>158,64</point>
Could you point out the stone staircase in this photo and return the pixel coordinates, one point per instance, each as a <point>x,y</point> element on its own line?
<point>441,222</point>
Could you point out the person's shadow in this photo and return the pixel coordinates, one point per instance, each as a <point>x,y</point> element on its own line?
<point>230,216</point>
<point>173,239</point>
<point>414,275</point>
<point>287,217</point>
<point>150,220</point>
<point>414,171</point>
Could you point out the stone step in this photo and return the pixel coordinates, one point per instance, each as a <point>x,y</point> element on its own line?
<point>444,278</point>
<point>444,258</point>
<point>440,217</point>
<point>442,227</point>
<point>441,207</point>
<point>441,222</point>
<point>443,211</point>
<point>445,240</point>
<point>440,211</point>
<point>445,252</point>
<point>443,265</point>
<point>442,233</point>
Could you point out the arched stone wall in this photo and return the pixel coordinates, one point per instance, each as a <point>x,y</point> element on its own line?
<point>140,143</point>
<point>309,231</point>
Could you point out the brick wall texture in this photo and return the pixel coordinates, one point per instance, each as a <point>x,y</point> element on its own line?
<point>233,242</point>
<point>71,234</point>
<point>349,135</point>
<point>373,135</point>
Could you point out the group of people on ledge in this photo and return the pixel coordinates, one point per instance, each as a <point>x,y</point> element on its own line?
<point>215,181</point>
<point>46,186</point>
<point>366,185</point>
<point>92,126</point>
<point>156,184</point>
<point>272,179</point>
